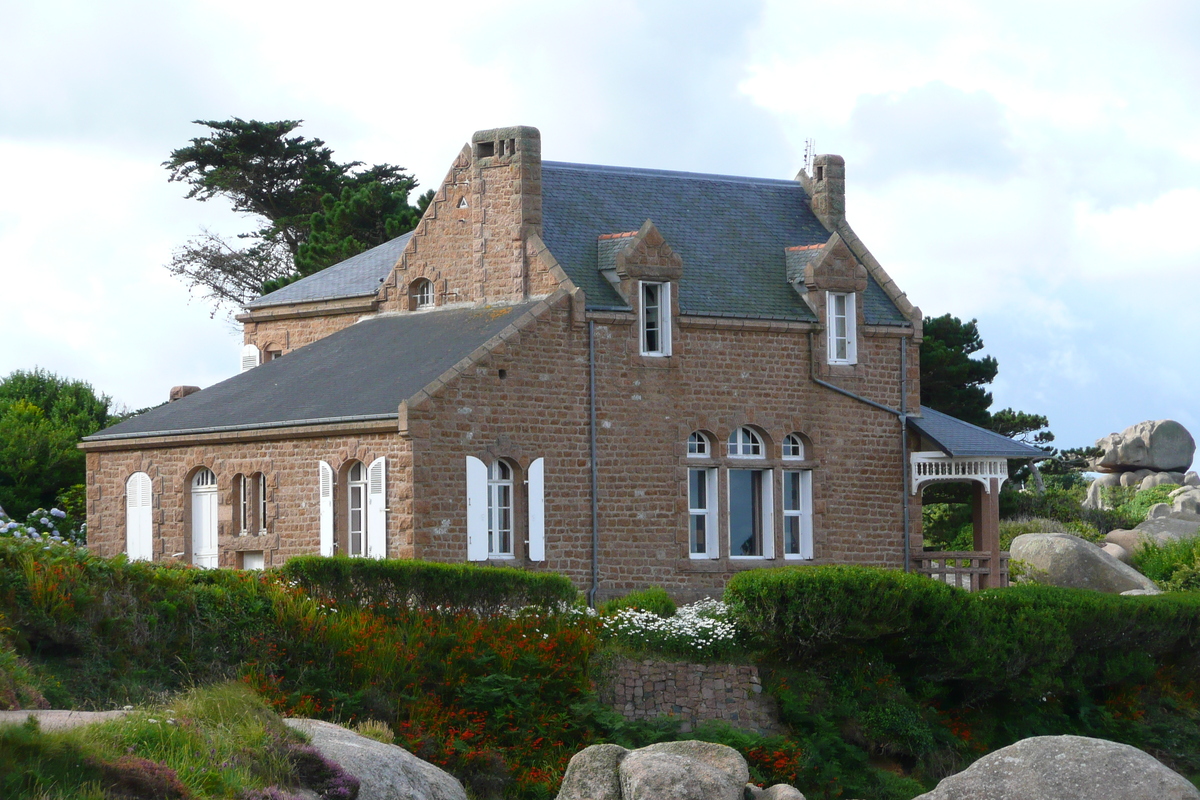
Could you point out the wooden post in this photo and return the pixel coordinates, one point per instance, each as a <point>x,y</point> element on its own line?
<point>985,517</point>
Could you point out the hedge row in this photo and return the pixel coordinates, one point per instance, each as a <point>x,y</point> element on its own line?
<point>1023,642</point>
<point>403,583</point>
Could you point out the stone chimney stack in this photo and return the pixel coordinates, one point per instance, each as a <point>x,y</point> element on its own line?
<point>827,189</point>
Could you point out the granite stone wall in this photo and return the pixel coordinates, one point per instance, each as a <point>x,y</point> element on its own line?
<point>695,693</point>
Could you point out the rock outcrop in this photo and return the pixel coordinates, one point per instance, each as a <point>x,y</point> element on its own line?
<point>1065,768</point>
<point>384,771</point>
<point>1161,446</point>
<point>1061,559</point>
<point>667,771</point>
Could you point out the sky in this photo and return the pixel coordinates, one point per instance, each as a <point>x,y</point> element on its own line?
<point>1033,166</point>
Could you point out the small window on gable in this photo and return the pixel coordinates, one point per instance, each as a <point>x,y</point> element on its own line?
<point>843,338</point>
<point>463,203</point>
<point>654,317</point>
<point>420,294</point>
<point>745,443</point>
<point>698,445</point>
<point>793,446</point>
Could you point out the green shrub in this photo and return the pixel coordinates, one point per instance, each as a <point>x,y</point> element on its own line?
<point>1174,566</point>
<point>405,583</point>
<point>1129,505</point>
<point>655,600</point>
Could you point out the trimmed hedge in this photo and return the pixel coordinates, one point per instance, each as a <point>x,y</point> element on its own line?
<point>404,583</point>
<point>1023,642</point>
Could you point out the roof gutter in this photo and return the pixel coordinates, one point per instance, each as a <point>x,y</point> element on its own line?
<point>251,426</point>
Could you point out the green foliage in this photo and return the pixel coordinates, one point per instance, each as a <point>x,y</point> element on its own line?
<point>300,195</point>
<point>361,218</point>
<point>216,742</point>
<point>1130,505</point>
<point>957,674</point>
<point>655,600</point>
<point>399,584</point>
<point>954,383</point>
<point>702,631</point>
<point>1174,566</point>
<point>951,381</point>
<point>42,418</point>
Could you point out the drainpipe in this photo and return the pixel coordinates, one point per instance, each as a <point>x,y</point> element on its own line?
<point>904,447</point>
<point>902,415</point>
<point>592,431</point>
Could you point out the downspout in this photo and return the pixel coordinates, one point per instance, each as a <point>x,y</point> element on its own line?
<point>904,447</point>
<point>595,478</point>
<point>902,415</point>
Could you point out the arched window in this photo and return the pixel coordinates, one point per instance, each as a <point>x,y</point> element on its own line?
<point>356,509</point>
<point>698,445</point>
<point>746,443</point>
<point>420,294</point>
<point>793,446</point>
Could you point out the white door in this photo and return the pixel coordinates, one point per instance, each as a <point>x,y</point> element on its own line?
<point>204,519</point>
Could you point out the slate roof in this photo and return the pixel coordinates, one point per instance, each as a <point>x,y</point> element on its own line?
<point>361,373</point>
<point>732,234</point>
<point>358,276</point>
<point>958,438</point>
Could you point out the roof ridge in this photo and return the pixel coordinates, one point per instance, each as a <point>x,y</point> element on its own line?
<point>667,173</point>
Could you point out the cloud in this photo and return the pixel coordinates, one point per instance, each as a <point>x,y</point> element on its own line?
<point>932,129</point>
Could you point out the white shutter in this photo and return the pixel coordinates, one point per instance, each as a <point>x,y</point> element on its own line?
<point>664,315</point>
<point>139,530</point>
<point>851,329</point>
<point>477,511</point>
<point>250,357</point>
<point>326,502</point>
<point>768,514</point>
<point>537,510</point>
<point>377,508</point>
<point>806,522</point>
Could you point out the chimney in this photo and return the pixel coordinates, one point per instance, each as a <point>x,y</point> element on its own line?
<point>180,392</point>
<point>506,186</point>
<point>826,188</point>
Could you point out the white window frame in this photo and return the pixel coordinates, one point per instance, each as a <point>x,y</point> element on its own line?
<point>766,516</point>
<point>745,442</point>
<point>705,511</point>
<point>423,294</point>
<point>698,445</point>
<point>841,328</point>
<point>497,486</point>
<point>243,506</point>
<point>262,502</point>
<point>793,447</point>
<point>655,318</point>
<point>356,489</point>
<point>800,517</point>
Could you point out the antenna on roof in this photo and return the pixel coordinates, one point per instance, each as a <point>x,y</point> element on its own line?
<point>810,150</point>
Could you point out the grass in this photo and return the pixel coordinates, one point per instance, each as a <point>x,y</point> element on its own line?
<point>216,742</point>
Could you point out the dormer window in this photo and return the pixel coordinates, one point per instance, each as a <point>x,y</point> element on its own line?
<point>839,307</point>
<point>420,294</point>
<point>654,318</point>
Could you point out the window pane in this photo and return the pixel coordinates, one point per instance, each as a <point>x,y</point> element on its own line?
<point>745,512</point>
<point>650,317</point>
<point>699,533</point>
<point>698,489</point>
<point>791,491</point>
<point>791,536</point>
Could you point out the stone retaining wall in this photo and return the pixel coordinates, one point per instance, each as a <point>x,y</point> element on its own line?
<point>695,693</point>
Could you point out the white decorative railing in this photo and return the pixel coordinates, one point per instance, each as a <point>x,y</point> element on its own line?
<point>936,466</point>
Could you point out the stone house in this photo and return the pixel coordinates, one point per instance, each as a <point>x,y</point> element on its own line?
<point>632,377</point>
